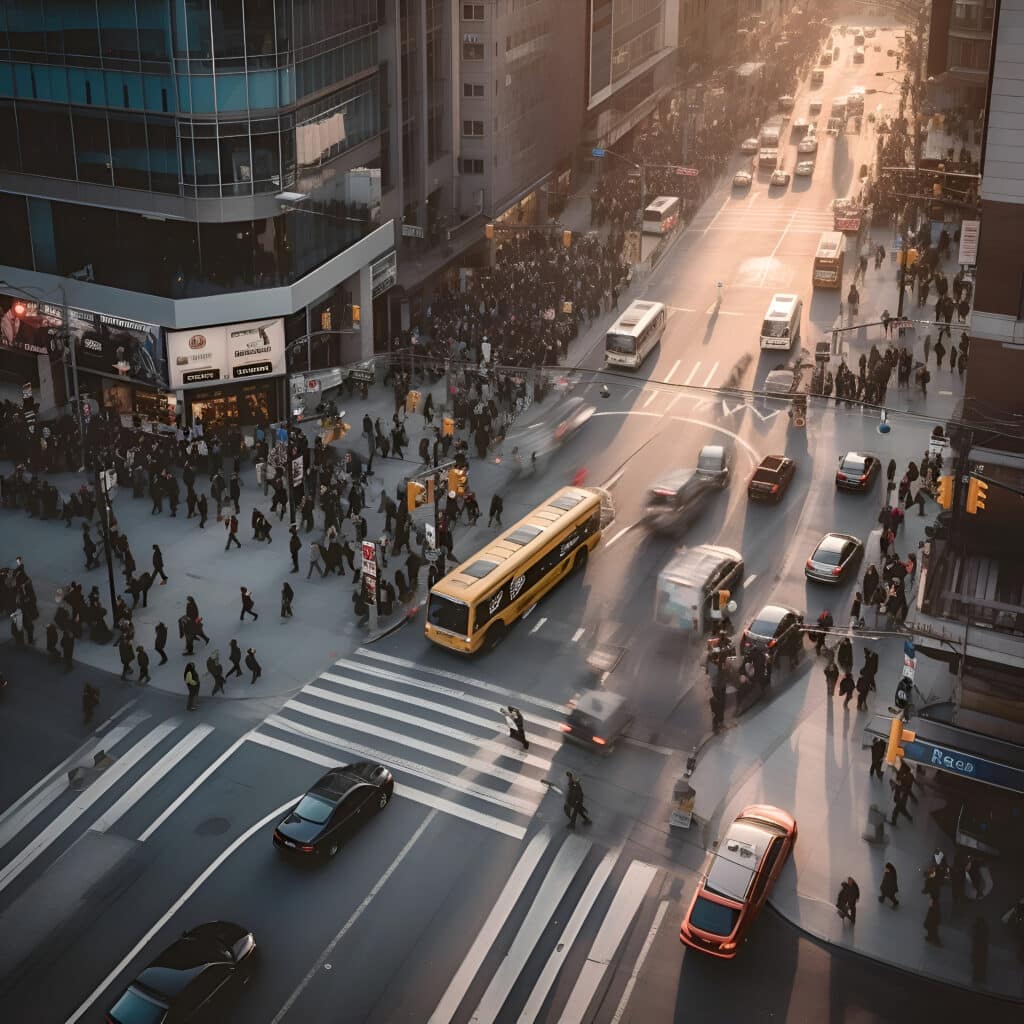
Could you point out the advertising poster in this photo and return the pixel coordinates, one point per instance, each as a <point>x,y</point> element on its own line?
<point>233,352</point>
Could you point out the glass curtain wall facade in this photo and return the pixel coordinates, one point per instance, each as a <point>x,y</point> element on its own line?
<point>195,99</point>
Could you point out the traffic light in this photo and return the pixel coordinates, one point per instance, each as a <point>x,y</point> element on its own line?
<point>898,733</point>
<point>448,426</point>
<point>458,480</point>
<point>944,494</point>
<point>720,603</point>
<point>567,238</point>
<point>412,401</point>
<point>357,313</point>
<point>799,411</point>
<point>977,491</point>
<point>415,495</point>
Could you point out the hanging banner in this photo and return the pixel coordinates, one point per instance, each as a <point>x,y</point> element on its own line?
<point>227,353</point>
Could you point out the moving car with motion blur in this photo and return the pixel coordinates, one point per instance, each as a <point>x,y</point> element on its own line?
<point>596,720</point>
<point>776,629</point>
<point>675,501</point>
<point>572,414</point>
<point>188,981</point>
<point>857,471</point>
<point>688,587</point>
<point>714,463</point>
<point>834,558</point>
<point>334,809</point>
<point>737,878</point>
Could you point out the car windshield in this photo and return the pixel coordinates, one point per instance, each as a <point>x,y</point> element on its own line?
<point>620,343</point>
<point>827,555</point>
<point>447,614</point>
<point>136,1008</point>
<point>764,627</point>
<point>314,809</point>
<point>853,464</point>
<point>710,462</point>
<point>714,918</point>
<point>775,329</point>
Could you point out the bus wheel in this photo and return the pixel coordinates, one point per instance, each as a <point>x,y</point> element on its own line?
<point>580,562</point>
<point>494,636</point>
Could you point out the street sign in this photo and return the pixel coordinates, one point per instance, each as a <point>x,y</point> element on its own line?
<point>687,172</point>
<point>938,445</point>
<point>899,325</point>
<point>369,558</point>
<point>598,153</point>
<point>297,472</point>
<point>969,231</point>
<point>412,231</point>
<point>909,660</point>
<point>430,534</point>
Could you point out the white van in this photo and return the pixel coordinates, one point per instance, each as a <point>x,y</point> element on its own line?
<point>855,100</point>
<point>781,327</point>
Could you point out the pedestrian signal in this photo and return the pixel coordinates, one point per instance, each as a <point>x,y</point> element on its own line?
<point>458,480</point>
<point>448,426</point>
<point>723,599</point>
<point>898,734</point>
<point>567,238</point>
<point>800,411</point>
<point>412,401</point>
<point>944,494</point>
<point>977,491</point>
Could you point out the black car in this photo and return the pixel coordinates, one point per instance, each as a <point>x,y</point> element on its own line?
<point>857,471</point>
<point>335,808</point>
<point>185,981</point>
<point>776,629</point>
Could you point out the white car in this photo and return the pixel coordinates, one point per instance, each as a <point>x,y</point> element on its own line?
<point>804,169</point>
<point>808,144</point>
<point>779,177</point>
<point>749,146</point>
<point>742,179</point>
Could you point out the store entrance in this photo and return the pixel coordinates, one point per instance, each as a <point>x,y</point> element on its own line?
<point>235,405</point>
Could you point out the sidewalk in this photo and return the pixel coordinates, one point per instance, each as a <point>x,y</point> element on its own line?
<point>804,752</point>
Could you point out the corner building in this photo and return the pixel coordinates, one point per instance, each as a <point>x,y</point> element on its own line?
<point>188,187</point>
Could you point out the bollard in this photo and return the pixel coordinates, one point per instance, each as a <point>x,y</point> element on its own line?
<point>875,831</point>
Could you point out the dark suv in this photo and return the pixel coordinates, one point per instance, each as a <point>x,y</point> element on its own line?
<point>775,629</point>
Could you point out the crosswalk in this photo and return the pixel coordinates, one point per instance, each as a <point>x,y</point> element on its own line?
<point>751,215</point>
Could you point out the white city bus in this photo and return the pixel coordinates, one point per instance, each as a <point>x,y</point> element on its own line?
<point>661,216</point>
<point>635,333</point>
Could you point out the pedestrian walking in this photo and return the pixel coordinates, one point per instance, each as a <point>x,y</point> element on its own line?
<point>932,920</point>
<point>287,596</point>
<point>856,621</point>
<point>204,511</point>
<point>253,666</point>
<point>235,492</point>
<point>90,698</point>
<point>932,883</point>
<point>231,525</point>
<point>360,606</point>
<point>516,725</point>
<point>717,704</point>
<point>248,605</point>
<point>127,653</point>
<point>192,685</point>
<point>846,688</point>
<point>889,887</point>
<point>877,757</point>
<point>216,670</point>
<point>900,796</point>
<point>158,566</point>
<point>574,806</point>
<point>294,547</point>
<point>494,514</point>
<point>831,677</point>
<point>314,560</point>
<point>143,659</point>
<point>235,657</point>
<point>846,901</point>
<point>53,642</point>
<point>865,684</point>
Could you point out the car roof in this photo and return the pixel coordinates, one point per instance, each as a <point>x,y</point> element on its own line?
<point>718,450</point>
<point>598,703</point>
<point>834,542</point>
<point>674,481</point>
<point>339,782</point>
<point>736,859</point>
<point>694,565</point>
<point>857,457</point>
<point>774,612</point>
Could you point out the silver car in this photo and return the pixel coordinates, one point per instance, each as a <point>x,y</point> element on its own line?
<point>836,555</point>
<point>713,464</point>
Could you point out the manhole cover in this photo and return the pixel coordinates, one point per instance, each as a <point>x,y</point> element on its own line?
<point>213,827</point>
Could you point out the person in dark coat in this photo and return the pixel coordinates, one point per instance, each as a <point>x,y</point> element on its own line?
<point>846,901</point>
<point>231,525</point>
<point>191,678</point>
<point>143,659</point>
<point>53,642</point>
<point>158,565</point>
<point>127,653</point>
<point>889,887</point>
<point>216,670</point>
<point>235,657</point>
<point>877,757</point>
<point>362,609</point>
<point>574,806</point>
<point>248,605</point>
<point>253,666</point>
<point>235,492</point>
<point>846,688</point>
<point>413,563</point>
<point>204,510</point>
<point>497,506</point>
<point>865,684</point>
<point>294,547</point>
<point>932,919</point>
<point>287,596</point>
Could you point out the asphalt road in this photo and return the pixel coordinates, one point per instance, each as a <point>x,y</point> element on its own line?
<point>468,899</point>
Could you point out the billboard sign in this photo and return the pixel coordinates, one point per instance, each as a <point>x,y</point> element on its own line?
<point>230,353</point>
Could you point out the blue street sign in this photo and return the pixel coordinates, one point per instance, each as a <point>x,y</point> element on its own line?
<point>968,766</point>
<point>909,649</point>
<point>597,152</point>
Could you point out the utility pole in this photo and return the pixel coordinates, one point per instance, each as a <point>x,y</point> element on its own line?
<point>104,502</point>
<point>70,342</point>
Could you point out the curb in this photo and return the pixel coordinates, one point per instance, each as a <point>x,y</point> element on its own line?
<point>410,613</point>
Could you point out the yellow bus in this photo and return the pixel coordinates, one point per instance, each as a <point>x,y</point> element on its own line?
<point>828,260</point>
<point>474,605</point>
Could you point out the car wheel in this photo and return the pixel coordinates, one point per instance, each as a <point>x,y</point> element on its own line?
<point>383,799</point>
<point>580,562</point>
<point>332,850</point>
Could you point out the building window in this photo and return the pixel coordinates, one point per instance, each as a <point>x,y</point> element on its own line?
<point>471,90</point>
<point>472,12</point>
<point>474,128</point>
<point>472,166</point>
<point>472,51</point>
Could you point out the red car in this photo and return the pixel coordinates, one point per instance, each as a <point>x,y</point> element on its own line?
<point>737,879</point>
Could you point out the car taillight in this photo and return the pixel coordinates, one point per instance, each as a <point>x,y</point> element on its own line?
<point>810,564</point>
<point>863,477</point>
<point>775,488</point>
<point>840,476</point>
<point>307,849</point>
<point>837,570</point>
<point>771,643</point>
<point>565,727</point>
<point>600,742</point>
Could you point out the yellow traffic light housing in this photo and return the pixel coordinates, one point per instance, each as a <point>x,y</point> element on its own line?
<point>357,313</point>
<point>944,493</point>
<point>977,492</point>
<point>412,401</point>
<point>448,426</point>
<point>415,495</point>
<point>458,479</point>
<point>567,238</point>
<point>489,232</point>
<point>898,733</point>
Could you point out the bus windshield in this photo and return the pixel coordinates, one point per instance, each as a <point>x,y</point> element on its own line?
<point>444,613</point>
<point>620,343</point>
<point>775,329</point>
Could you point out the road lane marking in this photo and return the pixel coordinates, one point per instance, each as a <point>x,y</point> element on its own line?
<point>745,445</point>
<point>176,906</point>
<point>53,785</point>
<point>501,691</point>
<point>768,262</point>
<point>625,529</point>
<point>532,1009</point>
<point>667,751</point>
<point>668,408</point>
<point>711,373</point>
<point>650,398</point>
<point>717,215</point>
<point>557,880</point>
<point>503,907</point>
<point>671,373</point>
<point>578,635</point>
<point>540,622</point>
<point>356,914</point>
<point>728,411</point>
<point>135,793</point>
<point>625,905</point>
<point>638,966</point>
<point>693,373</point>
<point>415,795</point>
<point>750,579</point>
<point>83,802</point>
<point>613,480</point>
<point>193,786</point>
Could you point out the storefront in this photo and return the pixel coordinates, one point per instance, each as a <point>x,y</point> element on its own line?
<point>229,375</point>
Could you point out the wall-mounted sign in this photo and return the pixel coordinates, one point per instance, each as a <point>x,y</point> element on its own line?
<point>384,273</point>
<point>969,232</point>
<point>233,352</point>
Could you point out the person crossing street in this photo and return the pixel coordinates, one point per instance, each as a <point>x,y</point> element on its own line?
<point>235,657</point>
<point>574,801</point>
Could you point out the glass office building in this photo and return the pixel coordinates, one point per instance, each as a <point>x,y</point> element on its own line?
<point>186,164</point>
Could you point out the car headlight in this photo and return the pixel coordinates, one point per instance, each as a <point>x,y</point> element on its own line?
<point>243,947</point>
<point>727,946</point>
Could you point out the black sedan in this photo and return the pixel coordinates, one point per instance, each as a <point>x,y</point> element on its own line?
<point>775,629</point>
<point>335,808</point>
<point>189,978</point>
<point>836,555</point>
<point>857,471</point>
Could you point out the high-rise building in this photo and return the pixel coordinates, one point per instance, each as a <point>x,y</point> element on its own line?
<point>185,189</point>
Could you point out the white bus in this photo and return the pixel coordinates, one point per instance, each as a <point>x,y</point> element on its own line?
<point>781,327</point>
<point>661,216</point>
<point>635,333</point>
